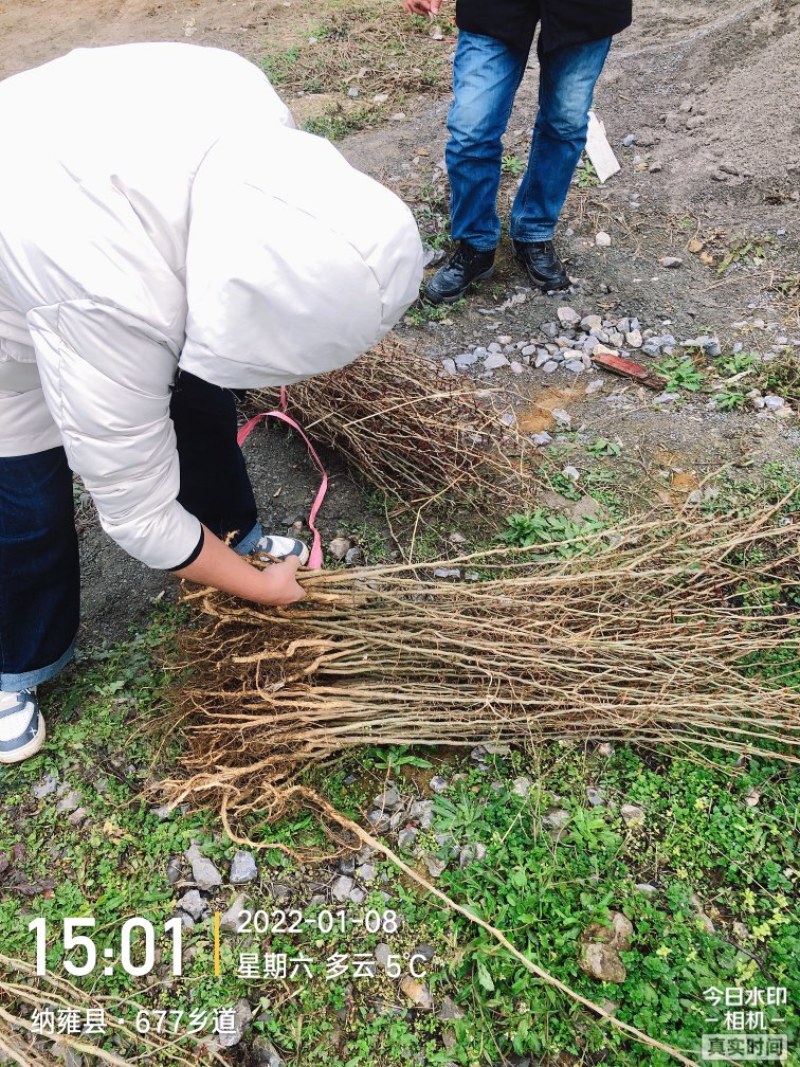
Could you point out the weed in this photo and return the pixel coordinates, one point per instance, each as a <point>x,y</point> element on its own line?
<point>421,313</point>
<point>681,373</point>
<point>539,527</point>
<point>513,165</point>
<point>745,252</point>
<point>730,400</point>
<point>602,447</point>
<point>586,175</point>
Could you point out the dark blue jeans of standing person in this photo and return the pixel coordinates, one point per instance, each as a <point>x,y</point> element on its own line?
<point>486,76</point>
<point>39,571</point>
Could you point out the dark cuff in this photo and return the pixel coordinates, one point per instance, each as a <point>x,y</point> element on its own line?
<point>197,550</point>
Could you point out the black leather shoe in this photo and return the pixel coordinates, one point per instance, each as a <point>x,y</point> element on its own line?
<point>465,266</point>
<point>541,263</point>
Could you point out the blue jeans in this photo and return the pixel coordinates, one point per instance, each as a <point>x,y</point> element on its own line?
<point>39,570</point>
<point>486,76</point>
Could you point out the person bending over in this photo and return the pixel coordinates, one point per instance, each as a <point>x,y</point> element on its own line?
<point>166,236</point>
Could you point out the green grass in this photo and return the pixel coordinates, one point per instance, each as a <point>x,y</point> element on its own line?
<point>720,828</point>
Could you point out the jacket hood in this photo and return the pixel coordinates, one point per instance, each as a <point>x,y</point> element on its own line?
<point>296,262</point>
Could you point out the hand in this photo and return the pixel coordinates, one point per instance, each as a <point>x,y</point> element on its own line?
<point>219,566</point>
<point>423,7</point>
<point>280,585</point>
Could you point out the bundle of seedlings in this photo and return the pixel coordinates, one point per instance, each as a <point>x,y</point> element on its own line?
<point>413,433</point>
<point>677,630</point>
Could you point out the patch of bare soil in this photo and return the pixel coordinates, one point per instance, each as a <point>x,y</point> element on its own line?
<point>35,31</point>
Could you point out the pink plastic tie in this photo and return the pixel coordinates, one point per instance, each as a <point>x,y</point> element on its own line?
<point>315,558</point>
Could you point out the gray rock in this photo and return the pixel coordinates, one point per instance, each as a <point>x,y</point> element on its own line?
<point>231,920</point>
<point>42,789</point>
<point>634,339</point>
<point>447,573</point>
<point>562,417</point>
<point>550,366</point>
<point>568,317</point>
<point>439,784</point>
<point>78,817</point>
<point>382,952</point>
<point>572,473</point>
<point>521,787</point>
<point>280,892</point>
<point>556,819</point>
<point>449,1010</point>
<point>340,890</point>
<point>596,797</point>
<point>629,140</point>
<point>339,547</point>
<point>594,386</point>
<point>666,398</point>
<point>575,366</point>
<point>602,239</point>
<point>699,910</point>
<point>367,872</point>
<point>379,820</point>
<point>632,815</point>
<point>495,361</point>
<point>204,873</point>
<point>515,367</point>
<point>242,1017</point>
<point>194,904</point>
<point>389,799</point>
<point>473,853</point>
<point>417,993</point>
<point>466,359</point>
<point>356,895</point>
<point>449,366</point>
<point>174,869</point>
<point>435,866</point>
<point>495,347</point>
<point>264,1054</point>
<point>69,802</point>
<point>407,837</point>
<point>541,439</point>
<point>671,262</point>
<point>346,864</point>
<point>591,322</point>
<point>425,951</point>
<point>422,810</point>
<point>68,1056</point>
<point>354,557</point>
<point>243,868</point>
<point>163,812</point>
<point>774,403</point>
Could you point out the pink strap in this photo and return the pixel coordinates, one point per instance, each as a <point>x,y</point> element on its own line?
<point>315,559</point>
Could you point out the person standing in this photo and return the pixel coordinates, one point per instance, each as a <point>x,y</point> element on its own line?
<point>494,42</point>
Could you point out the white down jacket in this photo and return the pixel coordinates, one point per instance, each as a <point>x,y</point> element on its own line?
<point>158,209</point>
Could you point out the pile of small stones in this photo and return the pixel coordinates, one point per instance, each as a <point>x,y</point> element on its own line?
<point>569,342</point>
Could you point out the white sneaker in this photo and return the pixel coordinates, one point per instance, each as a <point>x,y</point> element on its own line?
<point>282,547</point>
<point>22,729</point>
